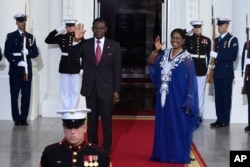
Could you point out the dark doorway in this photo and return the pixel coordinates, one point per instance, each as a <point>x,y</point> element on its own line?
<point>134,24</point>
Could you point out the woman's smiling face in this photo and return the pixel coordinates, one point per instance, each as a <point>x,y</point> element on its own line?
<point>176,40</point>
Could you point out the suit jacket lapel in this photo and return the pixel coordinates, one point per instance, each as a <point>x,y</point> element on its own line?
<point>104,49</point>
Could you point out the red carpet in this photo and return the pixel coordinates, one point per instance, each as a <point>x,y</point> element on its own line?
<point>133,112</point>
<point>132,145</point>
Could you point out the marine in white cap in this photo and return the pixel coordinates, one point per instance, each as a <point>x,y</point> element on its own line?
<point>70,64</point>
<point>73,150</point>
<point>73,118</point>
<point>199,46</point>
<point>225,53</point>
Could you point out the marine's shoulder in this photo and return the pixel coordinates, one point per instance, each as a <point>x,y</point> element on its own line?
<point>95,147</point>
<point>205,37</point>
<point>53,146</point>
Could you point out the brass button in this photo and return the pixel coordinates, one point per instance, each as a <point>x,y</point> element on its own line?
<point>74,160</point>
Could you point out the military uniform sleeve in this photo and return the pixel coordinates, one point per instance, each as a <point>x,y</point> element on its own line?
<point>51,38</point>
<point>9,45</point>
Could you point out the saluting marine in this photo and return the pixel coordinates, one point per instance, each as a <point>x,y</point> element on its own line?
<point>73,150</point>
<point>199,46</point>
<point>70,64</point>
<point>14,52</point>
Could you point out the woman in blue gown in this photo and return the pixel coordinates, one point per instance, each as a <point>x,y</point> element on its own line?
<point>177,112</point>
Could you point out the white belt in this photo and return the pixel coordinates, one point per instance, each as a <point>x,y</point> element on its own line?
<point>64,54</point>
<point>198,56</point>
<point>16,54</point>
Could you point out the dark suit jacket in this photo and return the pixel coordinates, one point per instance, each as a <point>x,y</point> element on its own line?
<point>227,49</point>
<point>104,78</point>
<point>14,44</point>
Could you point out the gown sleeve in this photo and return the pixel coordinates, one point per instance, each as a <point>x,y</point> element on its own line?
<point>192,100</point>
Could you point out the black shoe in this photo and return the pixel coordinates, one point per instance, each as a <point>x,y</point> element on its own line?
<point>24,123</point>
<point>17,123</point>
<point>200,119</point>
<point>218,125</point>
<point>247,128</point>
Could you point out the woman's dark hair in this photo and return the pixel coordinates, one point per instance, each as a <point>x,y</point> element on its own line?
<point>182,32</point>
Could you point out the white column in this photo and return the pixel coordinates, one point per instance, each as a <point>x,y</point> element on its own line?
<point>238,28</point>
<point>8,13</point>
<point>51,102</point>
<point>205,14</point>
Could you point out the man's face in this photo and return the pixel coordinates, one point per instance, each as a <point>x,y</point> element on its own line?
<point>197,30</point>
<point>21,25</point>
<point>99,29</point>
<point>75,136</point>
<point>223,28</point>
<point>70,29</point>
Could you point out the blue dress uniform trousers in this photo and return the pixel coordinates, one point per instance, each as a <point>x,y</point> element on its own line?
<point>227,49</point>
<point>18,84</point>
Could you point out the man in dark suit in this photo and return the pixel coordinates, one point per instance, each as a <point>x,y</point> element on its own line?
<point>101,79</point>
<point>20,68</point>
<point>73,150</point>
<point>226,49</point>
<point>70,64</point>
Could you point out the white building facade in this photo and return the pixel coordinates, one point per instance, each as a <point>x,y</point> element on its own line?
<point>46,15</point>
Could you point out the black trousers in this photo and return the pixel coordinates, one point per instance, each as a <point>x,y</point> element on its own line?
<point>102,108</point>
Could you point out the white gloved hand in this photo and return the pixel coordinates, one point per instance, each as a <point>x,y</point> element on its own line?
<point>213,54</point>
<point>211,66</point>
<point>189,30</point>
<point>59,29</point>
<point>81,72</point>
<point>22,64</point>
<point>25,51</point>
<point>247,61</point>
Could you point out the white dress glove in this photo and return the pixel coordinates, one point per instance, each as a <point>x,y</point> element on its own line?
<point>22,64</point>
<point>247,61</point>
<point>211,66</point>
<point>189,30</point>
<point>25,51</point>
<point>60,29</point>
<point>213,54</point>
<point>81,71</point>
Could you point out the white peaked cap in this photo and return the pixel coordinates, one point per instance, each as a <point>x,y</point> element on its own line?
<point>70,21</point>
<point>19,15</point>
<point>74,113</point>
<point>222,19</point>
<point>196,22</point>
